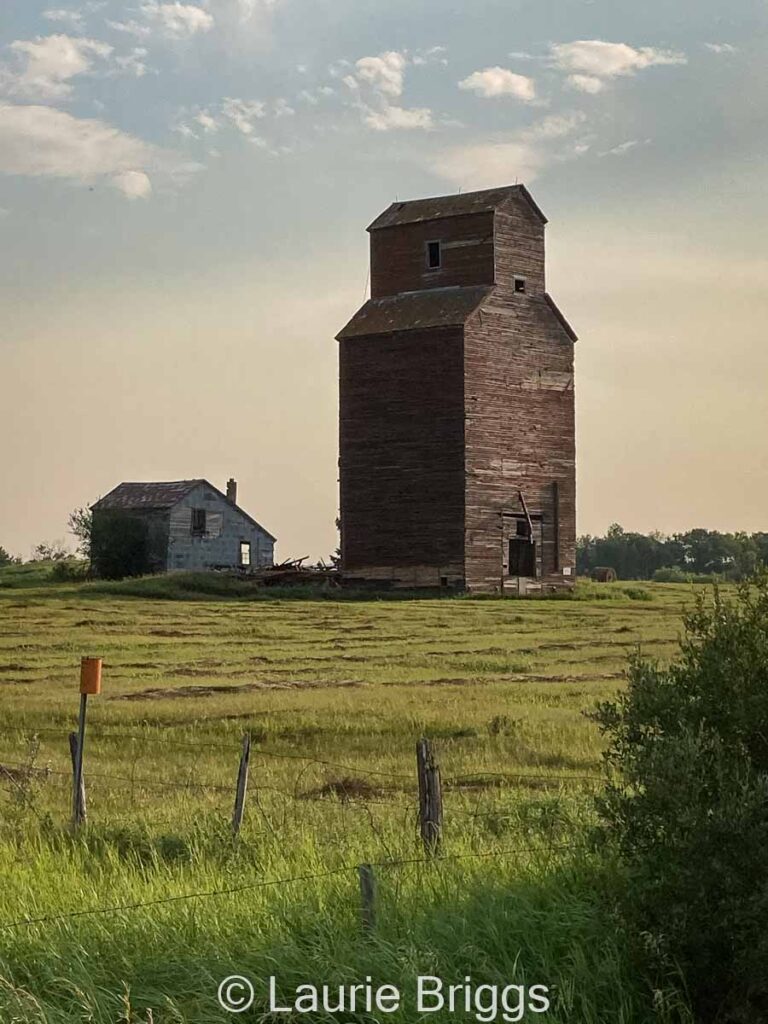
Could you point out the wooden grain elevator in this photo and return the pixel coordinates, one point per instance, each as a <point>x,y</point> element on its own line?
<point>456,419</point>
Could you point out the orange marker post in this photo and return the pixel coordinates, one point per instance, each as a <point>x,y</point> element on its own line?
<point>90,683</point>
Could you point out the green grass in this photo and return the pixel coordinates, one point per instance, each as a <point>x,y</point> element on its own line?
<point>335,694</point>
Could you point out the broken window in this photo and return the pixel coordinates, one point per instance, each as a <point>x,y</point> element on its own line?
<point>520,285</point>
<point>198,522</point>
<point>245,552</point>
<point>433,255</point>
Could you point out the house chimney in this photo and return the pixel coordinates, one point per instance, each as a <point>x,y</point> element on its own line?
<point>232,490</point>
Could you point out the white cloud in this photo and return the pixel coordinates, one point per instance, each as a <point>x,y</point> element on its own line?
<point>207,121</point>
<point>384,73</point>
<point>242,113</point>
<point>602,60</point>
<point>177,20</point>
<point>133,184</point>
<point>625,147</point>
<point>40,141</point>
<point>520,157</point>
<point>133,27</point>
<point>47,63</point>
<point>586,83</point>
<point>133,63</point>
<point>390,117</point>
<point>282,108</point>
<point>66,15</point>
<point>498,81</point>
<point>721,47</point>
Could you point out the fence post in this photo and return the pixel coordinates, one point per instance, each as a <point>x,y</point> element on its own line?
<point>242,785</point>
<point>79,813</point>
<point>367,897</point>
<point>90,683</point>
<point>430,798</point>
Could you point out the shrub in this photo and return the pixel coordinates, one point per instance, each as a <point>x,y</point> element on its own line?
<point>689,815</point>
<point>69,571</point>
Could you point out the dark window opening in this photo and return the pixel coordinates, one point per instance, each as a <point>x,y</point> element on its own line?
<point>433,255</point>
<point>520,285</point>
<point>522,557</point>
<point>245,552</point>
<point>523,529</point>
<point>198,522</point>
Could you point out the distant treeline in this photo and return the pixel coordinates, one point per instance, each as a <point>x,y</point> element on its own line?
<point>682,556</point>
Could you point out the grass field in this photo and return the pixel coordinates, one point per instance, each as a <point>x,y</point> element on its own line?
<point>335,695</point>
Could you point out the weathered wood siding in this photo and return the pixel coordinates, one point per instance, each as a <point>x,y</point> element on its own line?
<point>401,455</point>
<point>398,254</point>
<point>519,247</point>
<point>226,527</point>
<point>519,436</point>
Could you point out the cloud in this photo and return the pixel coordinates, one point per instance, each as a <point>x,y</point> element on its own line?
<point>174,20</point>
<point>206,121</point>
<point>133,63</point>
<point>520,157</point>
<point>40,141</point>
<point>133,184</point>
<point>384,73</point>
<point>498,81</point>
<point>625,147</point>
<point>391,117</point>
<point>721,47</point>
<point>243,113</point>
<point>47,63</point>
<point>587,59</point>
<point>586,83</point>
<point>72,17</point>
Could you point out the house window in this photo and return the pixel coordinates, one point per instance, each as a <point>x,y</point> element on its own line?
<point>433,255</point>
<point>520,285</point>
<point>198,522</point>
<point>245,552</point>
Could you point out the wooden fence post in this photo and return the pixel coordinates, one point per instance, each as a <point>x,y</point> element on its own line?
<point>79,813</point>
<point>242,785</point>
<point>430,798</point>
<point>367,897</point>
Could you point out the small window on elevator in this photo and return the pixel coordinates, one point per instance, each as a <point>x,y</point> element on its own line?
<point>520,285</point>
<point>433,255</point>
<point>245,553</point>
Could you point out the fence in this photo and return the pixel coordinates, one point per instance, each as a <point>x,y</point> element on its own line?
<point>427,807</point>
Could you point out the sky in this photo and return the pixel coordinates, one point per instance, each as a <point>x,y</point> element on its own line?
<point>184,191</point>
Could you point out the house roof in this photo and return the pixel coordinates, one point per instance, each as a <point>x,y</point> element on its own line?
<point>137,496</point>
<point>157,496</point>
<point>408,311</point>
<point>462,203</point>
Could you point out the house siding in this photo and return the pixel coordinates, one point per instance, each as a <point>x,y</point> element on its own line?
<point>220,546</point>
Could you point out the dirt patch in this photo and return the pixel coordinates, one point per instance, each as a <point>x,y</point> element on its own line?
<point>346,789</point>
<point>171,632</point>
<point>179,692</point>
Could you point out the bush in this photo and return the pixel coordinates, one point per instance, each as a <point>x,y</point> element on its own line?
<point>69,571</point>
<point>689,815</point>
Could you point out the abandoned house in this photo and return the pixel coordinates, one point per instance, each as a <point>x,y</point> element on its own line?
<point>456,424</point>
<point>183,525</point>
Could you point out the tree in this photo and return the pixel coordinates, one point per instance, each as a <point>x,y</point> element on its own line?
<point>687,811</point>
<point>80,524</point>
<point>119,545</point>
<point>5,558</point>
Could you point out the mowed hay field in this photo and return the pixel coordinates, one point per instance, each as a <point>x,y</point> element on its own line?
<point>335,695</point>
